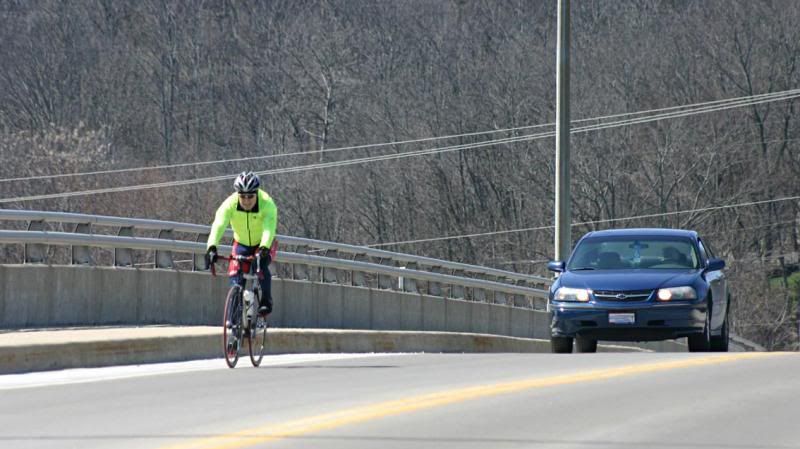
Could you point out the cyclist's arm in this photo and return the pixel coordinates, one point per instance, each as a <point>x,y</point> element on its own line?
<point>270,222</point>
<point>221,221</point>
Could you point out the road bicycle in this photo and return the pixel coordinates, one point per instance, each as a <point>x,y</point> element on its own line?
<point>241,319</point>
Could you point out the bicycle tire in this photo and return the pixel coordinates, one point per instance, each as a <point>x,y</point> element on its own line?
<point>257,340</point>
<point>232,327</point>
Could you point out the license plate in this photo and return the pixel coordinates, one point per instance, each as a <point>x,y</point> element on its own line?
<point>621,318</point>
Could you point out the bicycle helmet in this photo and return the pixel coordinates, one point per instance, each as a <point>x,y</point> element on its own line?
<point>247,182</point>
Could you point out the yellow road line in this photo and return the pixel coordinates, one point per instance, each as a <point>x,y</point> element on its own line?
<point>371,412</point>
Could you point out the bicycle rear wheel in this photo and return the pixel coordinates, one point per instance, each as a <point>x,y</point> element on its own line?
<point>257,340</point>
<point>232,326</point>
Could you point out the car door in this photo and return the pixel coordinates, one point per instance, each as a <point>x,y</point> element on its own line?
<point>718,284</point>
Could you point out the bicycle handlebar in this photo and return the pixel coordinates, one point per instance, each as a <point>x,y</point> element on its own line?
<point>238,258</point>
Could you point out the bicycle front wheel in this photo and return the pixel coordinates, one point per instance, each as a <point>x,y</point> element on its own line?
<point>258,340</point>
<point>232,326</point>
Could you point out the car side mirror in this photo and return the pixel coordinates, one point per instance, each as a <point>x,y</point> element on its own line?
<point>715,264</point>
<point>556,265</point>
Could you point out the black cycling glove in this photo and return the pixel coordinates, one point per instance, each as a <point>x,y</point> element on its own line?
<point>211,255</point>
<point>263,254</point>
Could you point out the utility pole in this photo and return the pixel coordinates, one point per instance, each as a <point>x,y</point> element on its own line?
<point>563,240</point>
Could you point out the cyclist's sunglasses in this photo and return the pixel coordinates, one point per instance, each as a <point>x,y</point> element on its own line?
<point>247,196</point>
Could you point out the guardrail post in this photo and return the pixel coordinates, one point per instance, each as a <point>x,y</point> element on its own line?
<point>479,294</point>
<point>384,281</point>
<point>81,254</point>
<point>123,257</point>
<point>359,279</point>
<point>35,252</point>
<point>409,284</point>
<point>330,275</point>
<point>164,258</point>
<point>529,302</point>
<point>199,260</point>
<point>457,291</point>
<point>435,288</point>
<point>300,272</point>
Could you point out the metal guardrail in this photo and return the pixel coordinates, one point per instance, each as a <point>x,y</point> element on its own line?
<point>403,276</point>
<point>110,241</point>
<point>85,221</point>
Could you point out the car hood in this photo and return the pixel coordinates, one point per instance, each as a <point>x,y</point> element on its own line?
<point>628,279</point>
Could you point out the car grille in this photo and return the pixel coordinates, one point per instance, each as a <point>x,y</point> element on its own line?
<point>611,295</point>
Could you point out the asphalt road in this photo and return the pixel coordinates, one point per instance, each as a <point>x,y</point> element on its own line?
<point>614,400</point>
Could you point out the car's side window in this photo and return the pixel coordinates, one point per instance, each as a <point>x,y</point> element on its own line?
<point>703,253</point>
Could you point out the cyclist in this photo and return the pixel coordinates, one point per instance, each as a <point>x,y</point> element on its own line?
<point>252,214</point>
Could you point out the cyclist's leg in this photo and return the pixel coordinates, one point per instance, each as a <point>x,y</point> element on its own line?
<point>233,276</point>
<point>266,292</point>
<point>239,250</point>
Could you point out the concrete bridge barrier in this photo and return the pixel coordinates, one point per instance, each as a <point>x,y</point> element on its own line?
<point>46,296</point>
<point>56,296</point>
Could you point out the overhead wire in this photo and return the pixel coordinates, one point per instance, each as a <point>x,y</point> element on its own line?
<point>607,220</point>
<point>316,166</point>
<point>274,156</point>
<point>685,113</point>
<point>402,142</point>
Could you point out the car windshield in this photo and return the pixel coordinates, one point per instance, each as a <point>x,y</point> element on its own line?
<point>620,253</point>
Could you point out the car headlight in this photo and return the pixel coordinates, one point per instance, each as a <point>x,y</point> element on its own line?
<point>668,294</point>
<point>571,294</point>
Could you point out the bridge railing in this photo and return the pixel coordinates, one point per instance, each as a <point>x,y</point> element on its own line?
<point>299,258</point>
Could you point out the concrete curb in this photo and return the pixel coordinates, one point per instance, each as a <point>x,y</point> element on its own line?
<point>26,351</point>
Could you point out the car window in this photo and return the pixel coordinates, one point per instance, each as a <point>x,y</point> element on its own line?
<point>604,253</point>
<point>707,248</point>
<point>703,252</point>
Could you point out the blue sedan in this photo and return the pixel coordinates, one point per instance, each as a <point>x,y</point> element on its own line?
<point>639,285</point>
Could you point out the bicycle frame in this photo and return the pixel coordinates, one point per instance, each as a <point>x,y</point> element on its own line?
<point>250,325</point>
<point>255,286</point>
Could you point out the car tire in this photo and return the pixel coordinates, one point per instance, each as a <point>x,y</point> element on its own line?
<point>561,345</point>
<point>720,344</point>
<point>584,344</point>
<point>702,342</point>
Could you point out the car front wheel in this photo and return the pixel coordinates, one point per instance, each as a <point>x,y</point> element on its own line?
<point>702,342</point>
<point>585,344</point>
<point>720,344</point>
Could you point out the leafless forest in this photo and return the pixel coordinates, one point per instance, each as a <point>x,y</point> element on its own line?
<point>93,85</point>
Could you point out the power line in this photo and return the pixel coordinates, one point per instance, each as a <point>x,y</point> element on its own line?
<point>779,223</point>
<point>768,225</point>
<point>265,172</point>
<point>695,111</point>
<point>608,220</point>
<point>728,105</point>
<point>403,142</point>
<point>271,156</point>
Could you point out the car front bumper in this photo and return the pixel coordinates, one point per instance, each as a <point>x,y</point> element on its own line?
<point>651,321</point>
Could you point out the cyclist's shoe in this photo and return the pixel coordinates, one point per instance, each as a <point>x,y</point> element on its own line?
<point>264,311</point>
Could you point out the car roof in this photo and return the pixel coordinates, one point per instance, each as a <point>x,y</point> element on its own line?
<point>643,232</point>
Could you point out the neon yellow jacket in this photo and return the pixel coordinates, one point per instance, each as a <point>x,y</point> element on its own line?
<point>253,228</point>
